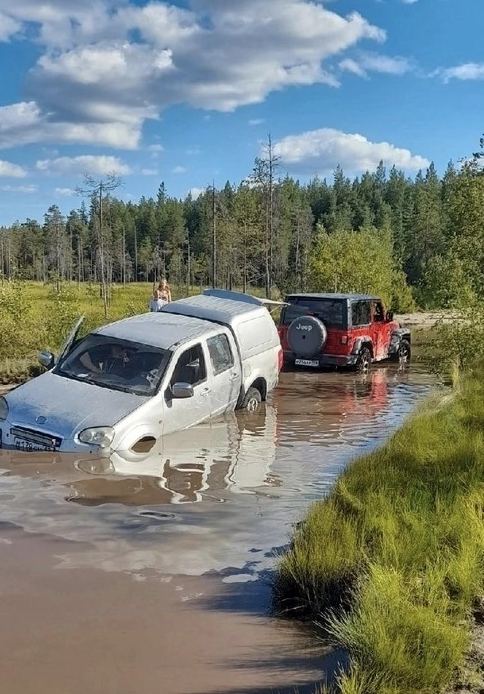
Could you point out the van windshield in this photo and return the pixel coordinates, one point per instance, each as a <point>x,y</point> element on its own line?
<point>117,364</point>
<point>332,312</point>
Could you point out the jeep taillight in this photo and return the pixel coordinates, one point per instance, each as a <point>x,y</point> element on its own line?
<point>344,339</point>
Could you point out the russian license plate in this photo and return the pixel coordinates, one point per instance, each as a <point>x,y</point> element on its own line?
<point>24,445</point>
<point>307,362</point>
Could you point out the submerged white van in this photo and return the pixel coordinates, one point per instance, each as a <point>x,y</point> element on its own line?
<point>142,377</point>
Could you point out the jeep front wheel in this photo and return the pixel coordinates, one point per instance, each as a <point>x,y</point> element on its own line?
<point>364,360</point>
<point>404,351</point>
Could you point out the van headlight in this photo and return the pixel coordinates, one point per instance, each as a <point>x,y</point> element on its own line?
<point>97,436</point>
<point>3,409</point>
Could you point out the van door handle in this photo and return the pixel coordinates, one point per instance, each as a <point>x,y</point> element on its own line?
<point>234,376</point>
<point>205,391</point>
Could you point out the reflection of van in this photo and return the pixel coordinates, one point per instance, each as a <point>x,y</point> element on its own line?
<point>234,453</point>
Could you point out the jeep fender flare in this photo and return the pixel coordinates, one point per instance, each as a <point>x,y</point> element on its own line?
<point>396,337</point>
<point>363,341</point>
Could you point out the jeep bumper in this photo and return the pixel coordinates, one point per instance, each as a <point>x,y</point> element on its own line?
<point>323,360</point>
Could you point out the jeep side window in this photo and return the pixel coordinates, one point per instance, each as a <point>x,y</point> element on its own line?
<point>220,353</point>
<point>360,313</point>
<point>190,367</point>
<point>378,312</point>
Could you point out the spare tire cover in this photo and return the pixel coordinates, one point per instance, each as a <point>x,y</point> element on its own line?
<point>307,336</point>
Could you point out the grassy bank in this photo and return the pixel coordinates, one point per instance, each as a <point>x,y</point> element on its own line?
<point>392,561</point>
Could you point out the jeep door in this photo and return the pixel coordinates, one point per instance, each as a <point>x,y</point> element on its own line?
<point>380,329</point>
<point>226,372</point>
<point>189,366</point>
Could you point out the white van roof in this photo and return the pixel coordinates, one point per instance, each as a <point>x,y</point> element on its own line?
<point>240,296</point>
<point>214,308</point>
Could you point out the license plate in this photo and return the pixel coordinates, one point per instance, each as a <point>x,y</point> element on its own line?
<point>307,362</point>
<point>24,445</point>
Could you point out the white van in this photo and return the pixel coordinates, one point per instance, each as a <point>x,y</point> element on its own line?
<point>142,377</point>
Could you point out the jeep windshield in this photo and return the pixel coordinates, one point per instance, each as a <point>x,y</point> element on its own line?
<point>108,362</point>
<point>332,312</point>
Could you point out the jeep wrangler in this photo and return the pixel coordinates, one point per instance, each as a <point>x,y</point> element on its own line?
<point>354,330</point>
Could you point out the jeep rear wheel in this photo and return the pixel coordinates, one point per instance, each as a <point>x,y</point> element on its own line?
<point>364,360</point>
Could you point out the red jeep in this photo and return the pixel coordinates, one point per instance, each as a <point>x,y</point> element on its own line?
<point>354,330</point>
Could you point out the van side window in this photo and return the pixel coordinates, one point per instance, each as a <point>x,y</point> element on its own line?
<point>360,313</point>
<point>220,353</point>
<point>190,367</point>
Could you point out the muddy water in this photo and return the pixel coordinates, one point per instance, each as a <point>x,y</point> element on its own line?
<point>153,574</point>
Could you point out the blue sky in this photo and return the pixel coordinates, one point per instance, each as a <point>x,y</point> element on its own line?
<point>185,92</point>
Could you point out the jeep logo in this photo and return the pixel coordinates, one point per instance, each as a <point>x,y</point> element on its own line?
<point>308,328</point>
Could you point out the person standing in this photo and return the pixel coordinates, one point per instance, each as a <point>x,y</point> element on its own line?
<point>164,290</point>
<point>156,303</point>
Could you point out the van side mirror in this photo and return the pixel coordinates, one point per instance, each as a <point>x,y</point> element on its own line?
<point>47,359</point>
<point>182,390</point>
<point>389,316</point>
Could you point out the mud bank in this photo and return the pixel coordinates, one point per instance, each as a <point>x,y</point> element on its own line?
<point>426,319</point>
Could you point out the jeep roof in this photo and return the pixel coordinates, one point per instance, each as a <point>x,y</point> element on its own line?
<point>351,297</point>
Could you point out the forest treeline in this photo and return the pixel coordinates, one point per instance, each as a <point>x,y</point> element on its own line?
<point>415,241</point>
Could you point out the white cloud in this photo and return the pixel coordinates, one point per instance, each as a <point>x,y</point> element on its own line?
<point>65,192</point>
<point>179,170</point>
<point>96,84</point>
<point>99,166</point>
<point>23,123</point>
<point>409,2</point>
<point>8,27</point>
<point>156,148</point>
<point>149,172</point>
<point>374,62</point>
<point>350,65</point>
<point>11,170</point>
<point>196,192</point>
<point>466,71</point>
<point>256,121</point>
<point>29,189</point>
<point>320,151</point>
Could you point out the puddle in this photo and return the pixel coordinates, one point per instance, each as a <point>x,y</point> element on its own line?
<point>153,573</point>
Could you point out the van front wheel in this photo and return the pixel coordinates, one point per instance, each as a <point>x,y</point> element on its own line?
<point>251,401</point>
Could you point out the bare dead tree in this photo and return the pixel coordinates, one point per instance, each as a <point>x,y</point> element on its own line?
<point>99,190</point>
<point>214,233</point>
<point>264,176</point>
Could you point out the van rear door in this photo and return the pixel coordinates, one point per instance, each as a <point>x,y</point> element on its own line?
<point>226,372</point>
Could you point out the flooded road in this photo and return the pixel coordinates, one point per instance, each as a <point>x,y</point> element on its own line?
<point>153,574</point>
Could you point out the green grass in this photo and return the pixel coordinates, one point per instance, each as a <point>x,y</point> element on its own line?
<point>392,561</point>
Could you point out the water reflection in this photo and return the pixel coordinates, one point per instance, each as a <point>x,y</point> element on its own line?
<point>218,497</point>
<point>232,453</point>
